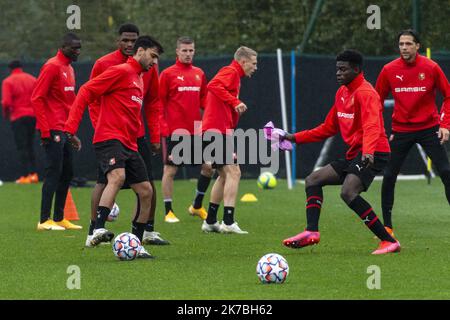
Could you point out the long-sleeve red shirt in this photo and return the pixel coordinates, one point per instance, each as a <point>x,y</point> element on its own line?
<point>152,105</point>
<point>53,94</point>
<point>182,92</point>
<point>413,87</point>
<point>121,88</point>
<point>151,98</point>
<point>357,115</point>
<point>222,98</point>
<point>16,94</point>
<point>103,63</point>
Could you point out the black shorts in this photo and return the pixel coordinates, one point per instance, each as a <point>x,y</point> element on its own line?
<point>112,154</point>
<point>219,153</point>
<point>402,142</point>
<point>356,167</point>
<point>146,154</point>
<point>186,151</point>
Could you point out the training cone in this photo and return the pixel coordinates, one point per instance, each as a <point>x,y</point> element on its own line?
<point>70,210</point>
<point>249,197</point>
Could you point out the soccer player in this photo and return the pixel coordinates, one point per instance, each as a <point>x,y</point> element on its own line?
<point>357,115</point>
<point>182,94</point>
<point>17,108</point>
<point>413,80</point>
<point>121,90</point>
<point>52,97</point>
<point>128,33</point>
<point>222,111</point>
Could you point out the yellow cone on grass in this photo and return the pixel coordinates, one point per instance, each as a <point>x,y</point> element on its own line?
<point>249,197</point>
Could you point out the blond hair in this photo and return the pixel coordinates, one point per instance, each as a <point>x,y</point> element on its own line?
<point>244,53</point>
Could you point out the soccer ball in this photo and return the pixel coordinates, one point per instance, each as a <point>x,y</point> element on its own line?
<point>126,246</point>
<point>267,180</point>
<point>114,214</point>
<point>272,268</point>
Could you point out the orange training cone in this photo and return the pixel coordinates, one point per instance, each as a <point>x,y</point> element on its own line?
<point>70,210</point>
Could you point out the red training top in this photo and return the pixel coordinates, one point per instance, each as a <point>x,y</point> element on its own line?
<point>222,98</point>
<point>121,88</point>
<point>182,93</point>
<point>413,87</point>
<point>16,94</point>
<point>151,88</point>
<point>54,94</point>
<point>357,114</point>
<point>152,105</point>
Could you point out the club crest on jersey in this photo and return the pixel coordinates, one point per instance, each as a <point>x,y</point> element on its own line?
<point>57,138</point>
<point>112,161</point>
<point>421,76</point>
<point>197,77</point>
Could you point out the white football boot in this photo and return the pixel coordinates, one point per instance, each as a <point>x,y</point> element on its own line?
<point>206,227</point>
<point>233,228</point>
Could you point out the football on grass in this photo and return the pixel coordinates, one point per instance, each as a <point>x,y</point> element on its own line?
<point>272,268</point>
<point>126,246</point>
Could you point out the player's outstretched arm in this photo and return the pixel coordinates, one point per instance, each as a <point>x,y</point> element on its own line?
<point>323,131</point>
<point>444,86</point>
<point>90,92</point>
<point>39,98</point>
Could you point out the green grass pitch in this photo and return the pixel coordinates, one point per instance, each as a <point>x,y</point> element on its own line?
<point>214,266</point>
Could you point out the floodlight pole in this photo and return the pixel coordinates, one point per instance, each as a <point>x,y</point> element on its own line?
<point>283,115</point>
<point>293,116</point>
<point>311,24</point>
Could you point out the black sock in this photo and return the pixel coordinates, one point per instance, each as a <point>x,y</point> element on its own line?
<point>387,217</point>
<point>212,213</point>
<point>387,198</point>
<point>314,200</point>
<point>168,205</point>
<point>365,212</point>
<point>202,186</point>
<point>44,217</point>
<point>91,228</point>
<point>137,229</point>
<point>102,215</point>
<point>150,226</point>
<point>228,215</point>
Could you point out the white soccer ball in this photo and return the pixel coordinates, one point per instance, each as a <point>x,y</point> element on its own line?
<point>272,268</point>
<point>114,214</point>
<point>126,246</point>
